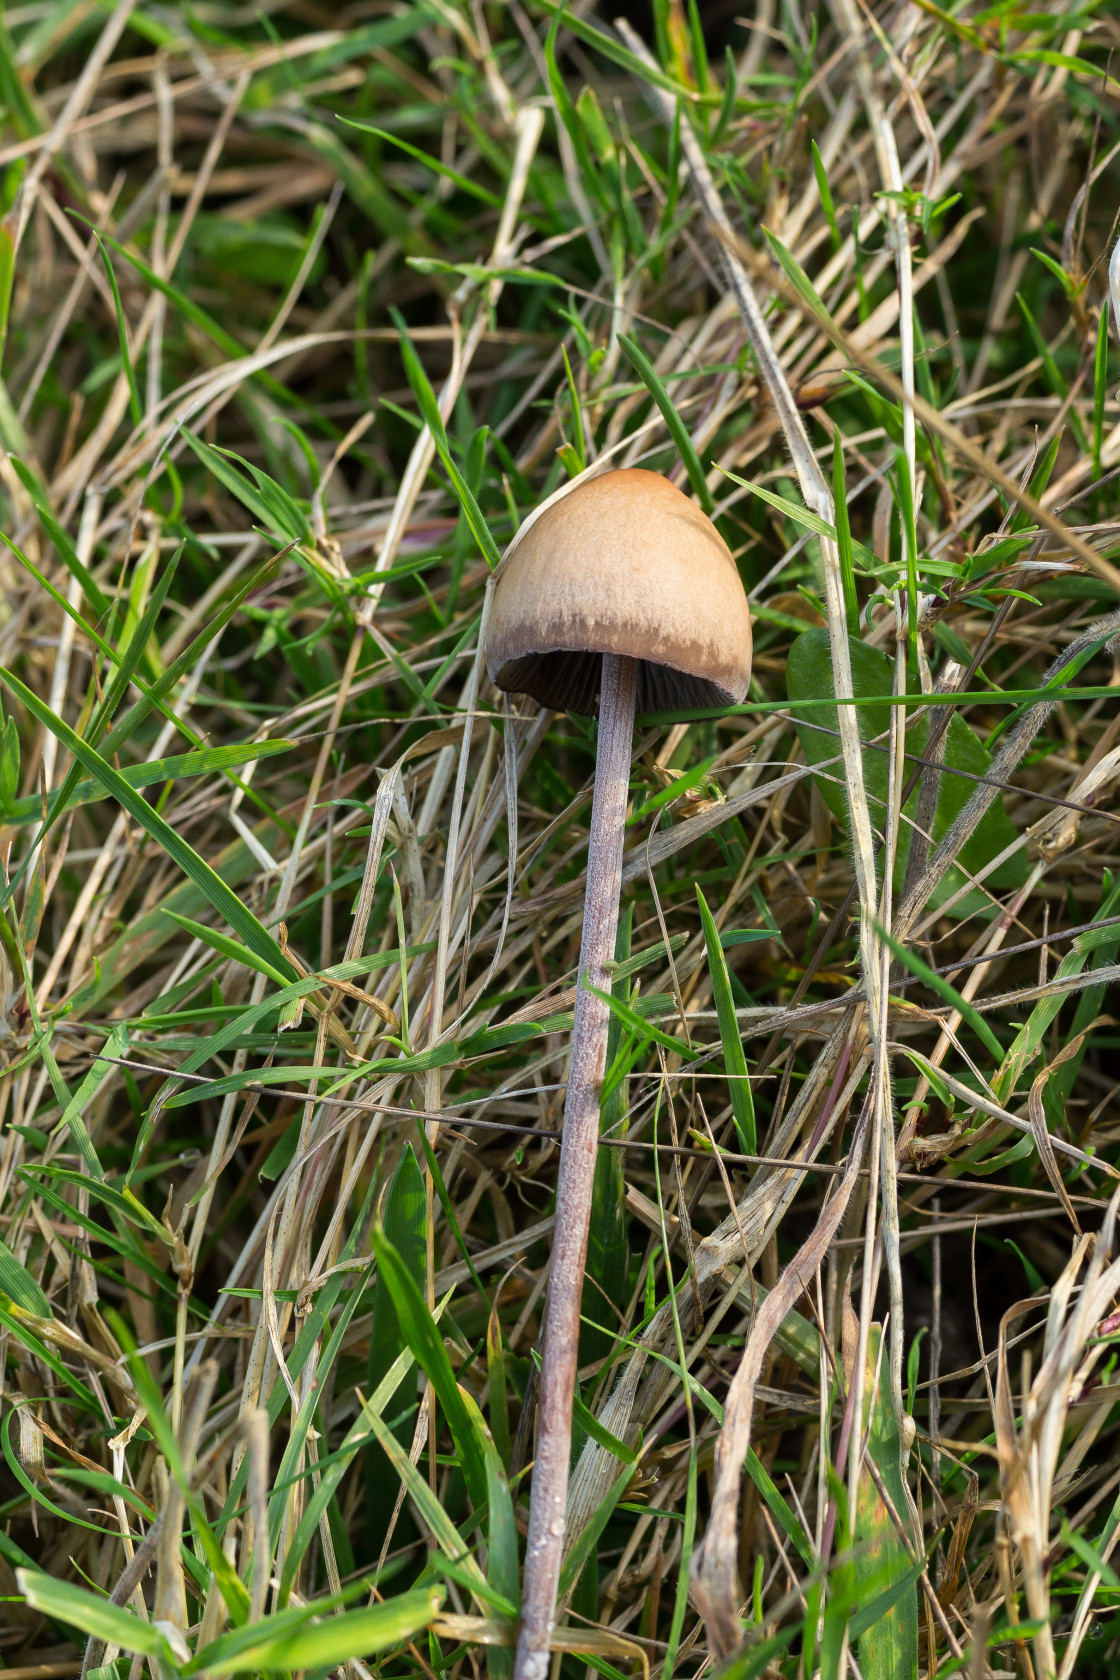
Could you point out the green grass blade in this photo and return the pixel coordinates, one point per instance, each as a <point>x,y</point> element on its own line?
<point>734,1059</point>
<point>1100,387</point>
<point>442,169</point>
<point>208,761</point>
<point>910,548</point>
<point>501,1528</point>
<point>678,431</point>
<point>93,1615</point>
<point>20,1287</point>
<point>844,537</point>
<point>136,407</point>
<point>499,1387</point>
<point>947,992</point>
<point>626,60</point>
<point>432,1513</point>
<point>886,1625</point>
<point>421,1334</point>
<point>67,553</point>
<point>825,193</point>
<point>405,1226</point>
<point>323,1645</point>
<point>215,890</point>
<point>186,661</point>
<point>608,1252</point>
<point>585,1545</point>
<point>1052,371</point>
<point>358,1438</point>
<point>429,409</point>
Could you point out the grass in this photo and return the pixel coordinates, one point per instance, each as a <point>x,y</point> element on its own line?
<point>303,311</point>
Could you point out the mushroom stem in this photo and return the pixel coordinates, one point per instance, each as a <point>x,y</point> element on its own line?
<point>575,1183</point>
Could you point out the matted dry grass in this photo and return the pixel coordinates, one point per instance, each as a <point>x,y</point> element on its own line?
<point>293,897</point>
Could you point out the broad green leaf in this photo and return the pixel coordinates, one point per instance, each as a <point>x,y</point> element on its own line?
<point>94,1615</point>
<point>321,1644</point>
<point>19,1286</point>
<point>809,677</point>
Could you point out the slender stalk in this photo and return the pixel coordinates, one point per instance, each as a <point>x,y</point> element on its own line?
<point>547,1510</point>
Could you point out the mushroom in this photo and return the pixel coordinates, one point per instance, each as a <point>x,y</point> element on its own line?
<point>620,596</point>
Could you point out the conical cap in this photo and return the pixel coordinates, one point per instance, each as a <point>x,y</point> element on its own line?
<point>625,564</point>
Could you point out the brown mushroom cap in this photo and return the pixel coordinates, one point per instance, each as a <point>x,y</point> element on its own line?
<point>625,564</point>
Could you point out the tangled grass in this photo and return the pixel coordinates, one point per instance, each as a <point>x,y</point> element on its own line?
<point>305,309</point>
